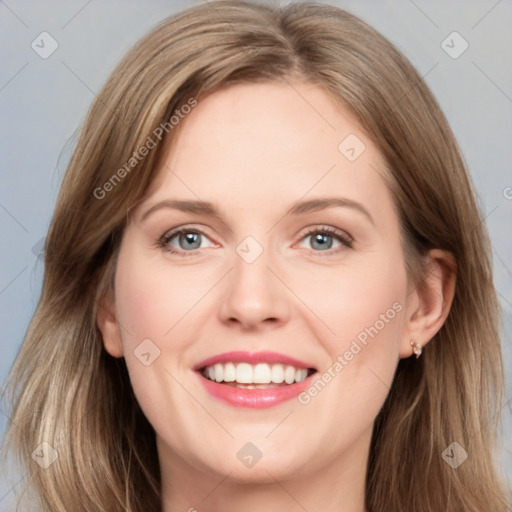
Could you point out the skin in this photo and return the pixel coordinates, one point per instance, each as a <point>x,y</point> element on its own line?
<point>253,150</point>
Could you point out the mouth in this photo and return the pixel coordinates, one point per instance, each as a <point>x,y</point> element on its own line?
<point>257,380</point>
<point>255,376</point>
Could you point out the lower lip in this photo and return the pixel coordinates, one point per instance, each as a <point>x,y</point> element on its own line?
<point>253,398</point>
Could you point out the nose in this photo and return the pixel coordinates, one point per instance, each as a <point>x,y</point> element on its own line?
<point>254,298</point>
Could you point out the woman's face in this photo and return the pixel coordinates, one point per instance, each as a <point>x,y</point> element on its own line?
<point>289,265</point>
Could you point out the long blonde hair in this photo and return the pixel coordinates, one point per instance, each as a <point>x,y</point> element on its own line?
<point>66,390</point>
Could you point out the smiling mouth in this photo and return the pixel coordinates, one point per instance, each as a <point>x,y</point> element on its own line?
<point>255,376</point>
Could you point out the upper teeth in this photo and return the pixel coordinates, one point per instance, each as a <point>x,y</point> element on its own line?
<point>261,373</point>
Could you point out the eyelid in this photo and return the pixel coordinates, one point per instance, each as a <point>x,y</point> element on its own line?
<point>174,231</point>
<point>324,228</point>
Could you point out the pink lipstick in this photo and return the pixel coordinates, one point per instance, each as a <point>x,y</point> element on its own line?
<point>254,380</point>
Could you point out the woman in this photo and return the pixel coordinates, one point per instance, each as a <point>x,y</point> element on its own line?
<point>267,284</point>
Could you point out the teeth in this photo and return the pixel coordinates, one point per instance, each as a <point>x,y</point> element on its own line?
<point>229,372</point>
<point>277,374</point>
<point>244,373</point>
<point>261,373</point>
<point>219,372</point>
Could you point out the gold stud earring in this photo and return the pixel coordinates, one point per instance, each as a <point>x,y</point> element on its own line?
<point>416,348</point>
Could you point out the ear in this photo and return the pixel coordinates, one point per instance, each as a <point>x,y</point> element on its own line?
<point>109,327</point>
<point>430,301</point>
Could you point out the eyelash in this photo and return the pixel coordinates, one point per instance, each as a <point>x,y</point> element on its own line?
<point>344,239</point>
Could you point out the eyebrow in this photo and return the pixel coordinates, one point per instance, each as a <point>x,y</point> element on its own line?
<point>209,210</point>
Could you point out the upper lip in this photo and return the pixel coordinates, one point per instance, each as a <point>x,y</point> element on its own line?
<point>252,358</point>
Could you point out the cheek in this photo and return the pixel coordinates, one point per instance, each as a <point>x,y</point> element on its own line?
<point>157,308</point>
<point>363,306</point>
<point>357,297</point>
<point>153,299</point>
<point>152,304</point>
<point>374,295</point>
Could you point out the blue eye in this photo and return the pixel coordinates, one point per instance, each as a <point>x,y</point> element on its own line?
<point>189,240</point>
<point>322,239</point>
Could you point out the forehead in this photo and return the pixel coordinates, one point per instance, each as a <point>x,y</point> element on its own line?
<point>267,119</point>
<point>272,142</point>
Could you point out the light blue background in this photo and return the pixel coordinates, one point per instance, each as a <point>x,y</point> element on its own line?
<point>43,102</point>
